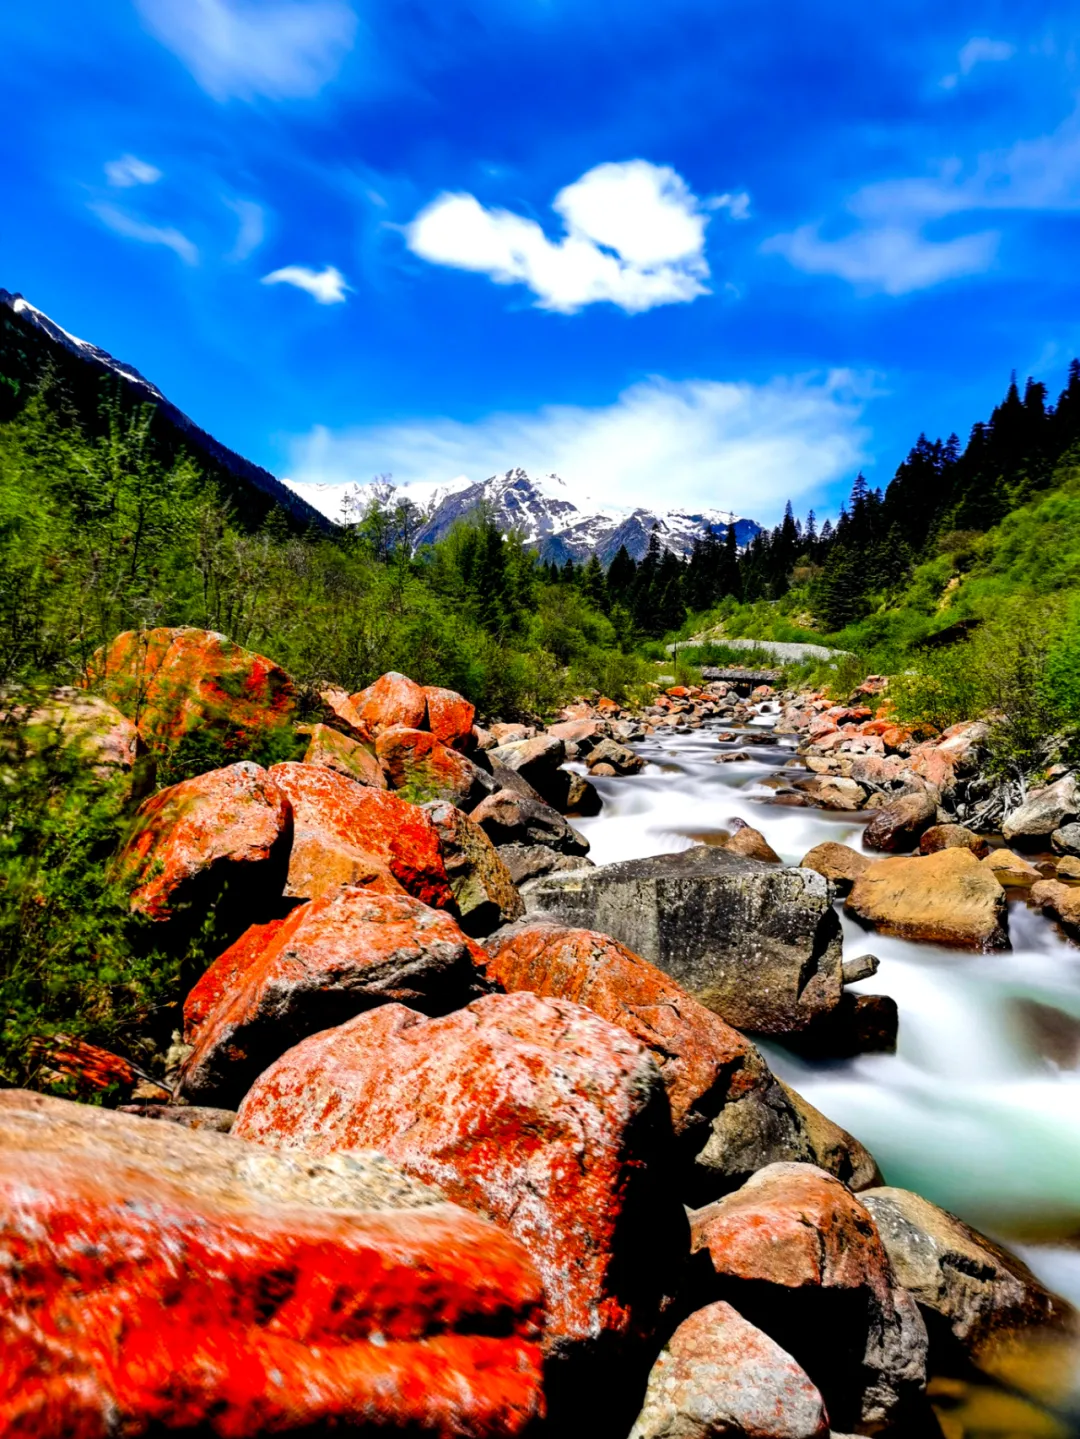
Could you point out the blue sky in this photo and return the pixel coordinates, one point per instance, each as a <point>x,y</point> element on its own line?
<point>697,253</point>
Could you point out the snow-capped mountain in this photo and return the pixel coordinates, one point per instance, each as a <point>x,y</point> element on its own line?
<point>41,337</point>
<point>542,510</point>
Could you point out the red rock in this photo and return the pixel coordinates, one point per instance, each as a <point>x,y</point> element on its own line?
<point>331,749</point>
<point>701,1058</point>
<point>174,681</point>
<point>677,692</point>
<point>450,717</point>
<point>534,1112</point>
<point>329,960</point>
<point>718,1375</point>
<point>86,1068</point>
<point>231,822</point>
<point>392,699</point>
<point>158,1279</point>
<point>820,727</point>
<point>339,705</point>
<point>415,761</point>
<point>793,1235</point>
<point>607,707</point>
<point>349,833</point>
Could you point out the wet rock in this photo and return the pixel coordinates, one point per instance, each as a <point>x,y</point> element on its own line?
<point>621,759</point>
<point>175,681</point>
<point>707,1066</point>
<point>757,945</point>
<point>1045,810</point>
<point>952,836</point>
<point>348,833</point>
<point>604,771</point>
<point>1066,840</point>
<point>1011,869</point>
<point>1068,868</point>
<point>1061,902</point>
<point>450,717</point>
<point>750,843</point>
<point>393,699</point>
<point>507,817</point>
<point>330,960</point>
<point>418,764</point>
<point>718,1375</point>
<point>969,1288</point>
<point>860,1024</point>
<point>943,898</point>
<point>534,1112</point>
<point>800,1257</point>
<point>231,825</point>
<point>831,1147</point>
<point>484,889</point>
<point>898,825</point>
<point>538,762</point>
<point>581,797</point>
<point>531,861</point>
<point>204,1284</point>
<point>833,793</point>
<point>863,966</point>
<point>330,749</point>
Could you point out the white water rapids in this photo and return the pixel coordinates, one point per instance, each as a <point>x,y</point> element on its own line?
<point>979,1109</point>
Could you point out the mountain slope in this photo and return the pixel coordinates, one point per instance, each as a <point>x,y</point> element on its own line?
<point>31,343</point>
<point>543,511</point>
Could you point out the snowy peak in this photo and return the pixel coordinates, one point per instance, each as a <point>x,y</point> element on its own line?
<point>83,348</point>
<point>541,510</point>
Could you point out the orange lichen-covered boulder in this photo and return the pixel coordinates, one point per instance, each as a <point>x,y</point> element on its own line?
<point>173,681</point>
<point>329,960</point>
<point>450,717</point>
<point>801,1257</point>
<point>349,833</point>
<point>415,761</point>
<point>701,1058</point>
<point>232,823</point>
<point>84,1069</point>
<point>534,1112</point>
<point>160,1279</point>
<point>331,749</point>
<point>393,699</point>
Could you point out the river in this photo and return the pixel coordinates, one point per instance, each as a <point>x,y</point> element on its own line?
<point>979,1108</point>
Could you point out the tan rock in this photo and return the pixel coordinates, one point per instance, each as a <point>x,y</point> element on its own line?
<point>1060,902</point>
<point>333,750</point>
<point>953,836</point>
<point>837,862</point>
<point>943,898</point>
<point>1011,869</point>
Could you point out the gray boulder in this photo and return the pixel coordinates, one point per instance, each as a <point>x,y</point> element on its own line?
<point>507,817</point>
<point>1066,840</point>
<point>898,826</point>
<point>758,945</point>
<point>538,762</point>
<point>621,759</point>
<point>1044,811</point>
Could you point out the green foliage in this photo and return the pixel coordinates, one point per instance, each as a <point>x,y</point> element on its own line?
<point>72,957</point>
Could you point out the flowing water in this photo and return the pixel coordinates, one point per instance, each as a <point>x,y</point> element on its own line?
<point>979,1109</point>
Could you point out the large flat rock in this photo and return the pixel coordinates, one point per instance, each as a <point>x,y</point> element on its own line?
<point>758,945</point>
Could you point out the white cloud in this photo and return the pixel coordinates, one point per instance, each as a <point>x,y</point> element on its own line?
<point>252,228</point>
<point>892,251</point>
<point>135,229</point>
<point>696,442</point>
<point>635,236</point>
<point>979,50</point>
<point>129,170</point>
<point>892,258</point>
<point>327,286</point>
<point>280,49</point>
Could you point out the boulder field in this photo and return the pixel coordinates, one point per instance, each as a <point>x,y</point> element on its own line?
<point>470,1138</point>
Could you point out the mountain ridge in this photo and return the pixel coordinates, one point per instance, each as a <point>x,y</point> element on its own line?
<point>540,509</point>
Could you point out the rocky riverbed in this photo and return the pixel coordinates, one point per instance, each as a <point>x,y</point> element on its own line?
<point>611,1079</point>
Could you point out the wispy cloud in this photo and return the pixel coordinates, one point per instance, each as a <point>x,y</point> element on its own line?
<point>891,258</point>
<point>979,50</point>
<point>241,49</point>
<point>635,236</point>
<point>135,229</point>
<point>129,170</point>
<point>252,229</point>
<point>892,250</point>
<point>326,286</point>
<point>704,442</point>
